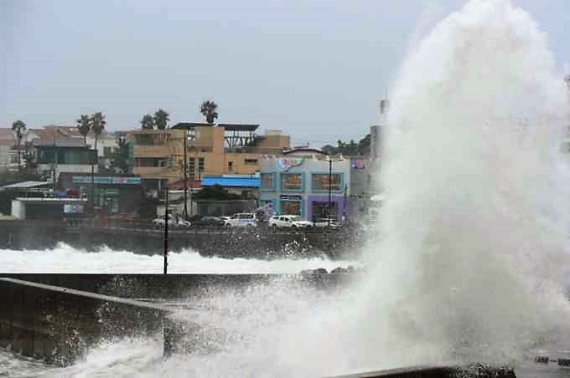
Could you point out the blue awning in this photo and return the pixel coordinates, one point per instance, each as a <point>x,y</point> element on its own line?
<point>232,182</point>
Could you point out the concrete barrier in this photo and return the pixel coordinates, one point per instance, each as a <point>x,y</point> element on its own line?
<point>58,324</point>
<point>173,286</point>
<point>472,371</point>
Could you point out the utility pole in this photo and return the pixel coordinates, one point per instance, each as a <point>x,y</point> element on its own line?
<point>165,252</point>
<point>93,183</point>
<point>185,165</point>
<point>330,191</point>
<point>54,166</point>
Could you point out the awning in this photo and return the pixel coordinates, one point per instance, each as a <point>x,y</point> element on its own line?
<point>26,185</point>
<point>232,182</point>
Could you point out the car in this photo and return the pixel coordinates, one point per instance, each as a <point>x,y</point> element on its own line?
<point>241,220</point>
<point>208,221</point>
<point>172,222</point>
<point>288,221</point>
<point>326,223</point>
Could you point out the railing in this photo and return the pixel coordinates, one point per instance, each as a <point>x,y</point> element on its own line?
<point>147,226</point>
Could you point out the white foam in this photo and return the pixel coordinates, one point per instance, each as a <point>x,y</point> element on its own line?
<point>65,259</point>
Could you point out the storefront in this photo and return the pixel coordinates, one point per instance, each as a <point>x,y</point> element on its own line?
<point>305,183</point>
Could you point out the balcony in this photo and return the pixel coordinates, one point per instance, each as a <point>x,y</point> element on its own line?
<point>154,172</point>
<point>152,151</point>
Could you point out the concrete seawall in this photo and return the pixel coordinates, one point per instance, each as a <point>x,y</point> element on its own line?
<point>57,317</point>
<point>172,286</point>
<point>221,242</point>
<point>58,324</point>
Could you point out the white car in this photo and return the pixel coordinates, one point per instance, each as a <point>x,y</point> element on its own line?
<point>327,223</point>
<point>172,222</point>
<point>241,220</point>
<point>288,221</point>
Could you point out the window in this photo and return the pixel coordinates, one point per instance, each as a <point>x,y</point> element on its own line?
<point>191,167</point>
<point>291,207</point>
<point>230,166</point>
<point>250,161</point>
<point>144,139</point>
<point>201,164</point>
<point>292,181</point>
<point>267,181</point>
<point>321,182</point>
<point>107,152</point>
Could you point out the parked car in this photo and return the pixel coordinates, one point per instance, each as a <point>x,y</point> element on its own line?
<point>327,222</point>
<point>172,222</point>
<point>208,221</point>
<point>241,220</point>
<point>288,221</point>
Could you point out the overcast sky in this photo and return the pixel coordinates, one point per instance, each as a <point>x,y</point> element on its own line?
<point>313,68</point>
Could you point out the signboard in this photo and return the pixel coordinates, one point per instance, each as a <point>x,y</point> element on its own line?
<point>109,180</point>
<point>359,164</point>
<point>294,197</point>
<point>71,208</point>
<point>287,163</point>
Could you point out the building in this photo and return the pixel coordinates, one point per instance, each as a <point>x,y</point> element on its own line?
<point>154,156</point>
<point>106,142</point>
<point>63,155</point>
<point>216,150</point>
<point>306,182</point>
<point>115,195</point>
<point>211,151</point>
<point>8,150</point>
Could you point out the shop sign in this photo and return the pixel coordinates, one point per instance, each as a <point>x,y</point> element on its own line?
<point>287,163</point>
<point>295,197</point>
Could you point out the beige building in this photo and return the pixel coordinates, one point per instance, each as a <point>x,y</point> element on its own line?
<point>211,150</point>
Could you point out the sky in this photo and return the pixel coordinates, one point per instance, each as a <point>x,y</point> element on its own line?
<point>315,69</point>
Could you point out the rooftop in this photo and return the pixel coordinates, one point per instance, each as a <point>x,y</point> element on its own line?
<point>226,126</point>
<point>67,142</point>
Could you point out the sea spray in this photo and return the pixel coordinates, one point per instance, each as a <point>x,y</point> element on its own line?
<point>473,233</point>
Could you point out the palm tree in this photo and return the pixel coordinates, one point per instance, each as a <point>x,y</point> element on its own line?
<point>208,110</point>
<point>147,122</point>
<point>84,126</point>
<point>161,119</point>
<point>19,128</point>
<point>97,125</point>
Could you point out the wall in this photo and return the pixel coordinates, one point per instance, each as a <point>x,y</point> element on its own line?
<point>58,324</point>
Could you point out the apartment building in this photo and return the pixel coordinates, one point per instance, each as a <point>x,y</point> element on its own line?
<point>155,155</point>
<point>211,151</point>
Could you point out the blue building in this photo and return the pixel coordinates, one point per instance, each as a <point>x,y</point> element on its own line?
<point>299,183</point>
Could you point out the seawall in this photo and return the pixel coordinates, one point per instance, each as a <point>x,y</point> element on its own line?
<point>224,242</point>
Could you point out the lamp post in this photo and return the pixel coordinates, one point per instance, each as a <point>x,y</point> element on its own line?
<point>185,176</point>
<point>330,191</point>
<point>165,251</point>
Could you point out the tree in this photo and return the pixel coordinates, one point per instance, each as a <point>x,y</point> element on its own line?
<point>84,126</point>
<point>147,122</point>
<point>19,128</point>
<point>97,125</point>
<point>161,119</point>
<point>121,155</point>
<point>208,110</point>
<point>349,149</point>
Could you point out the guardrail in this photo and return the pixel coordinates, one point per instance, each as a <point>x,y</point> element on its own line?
<point>147,226</point>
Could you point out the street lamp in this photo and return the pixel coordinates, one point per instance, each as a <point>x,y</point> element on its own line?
<point>330,190</point>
